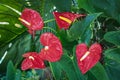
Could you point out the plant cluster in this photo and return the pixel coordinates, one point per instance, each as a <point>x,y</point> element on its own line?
<point>49,39</point>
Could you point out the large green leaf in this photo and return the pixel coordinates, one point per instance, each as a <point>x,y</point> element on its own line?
<point>80,29</point>
<point>56,70</point>
<point>113,54</point>
<point>67,44</point>
<point>67,65</point>
<point>112,68</point>
<point>8,16</point>
<point>109,7</point>
<point>87,38</point>
<point>113,37</point>
<point>17,5</point>
<point>112,63</point>
<point>99,72</point>
<point>86,4</point>
<point>62,5</point>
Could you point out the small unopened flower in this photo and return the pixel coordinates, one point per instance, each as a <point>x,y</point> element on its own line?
<point>32,20</point>
<point>52,50</point>
<point>64,19</point>
<point>32,61</point>
<point>86,59</point>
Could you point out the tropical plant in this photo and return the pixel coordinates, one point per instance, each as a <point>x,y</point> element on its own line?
<point>59,40</point>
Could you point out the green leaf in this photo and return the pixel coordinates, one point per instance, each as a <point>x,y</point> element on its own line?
<point>14,50</point>
<point>56,70</point>
<point>109,7</point>
<point>90,76</point>
<point>86,4</point>
<point>87,38</point>
<point>80,76</point>
<point>62,5</point>
<point>67,65</point>
<point>113,37</point>
<point>10,75</point>
<point>80,28</point>
<point>112,68</point>
<point>9,17</point>
<point>99,72</point>
<point>68,45</point>
<point>113,54</point>
<point>17,5</point>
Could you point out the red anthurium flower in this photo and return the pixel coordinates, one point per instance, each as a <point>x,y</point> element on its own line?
<point>32,20</point>
<point>65,19</point>
<point>32,61</point>
<point>52,50</point>
<point>86,59</point>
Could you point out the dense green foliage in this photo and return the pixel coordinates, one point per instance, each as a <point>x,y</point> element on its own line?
<point>102,25</point>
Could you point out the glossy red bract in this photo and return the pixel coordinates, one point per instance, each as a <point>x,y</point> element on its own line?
<point>33,18</point>
<point>32,61</point>
<point>52,50</point>
<point>94,54</point>
<point>68,19</point>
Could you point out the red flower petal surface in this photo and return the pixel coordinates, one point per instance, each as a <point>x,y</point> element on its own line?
<point>86,59</point>
<point>52,50</point>
<point>65,19</point>
<point>32,61</point>
<point>32,20</point>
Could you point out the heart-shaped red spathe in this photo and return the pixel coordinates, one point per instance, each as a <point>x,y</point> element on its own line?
<point>86,59</point>
<point>32,20</point>
<point>64,19</point>
<point>52,50</point>
<point>32,61</point>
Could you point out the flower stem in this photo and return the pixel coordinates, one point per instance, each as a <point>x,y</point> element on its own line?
<point>50,29</point>
<point>100,40</point>
<point>49,20</point>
